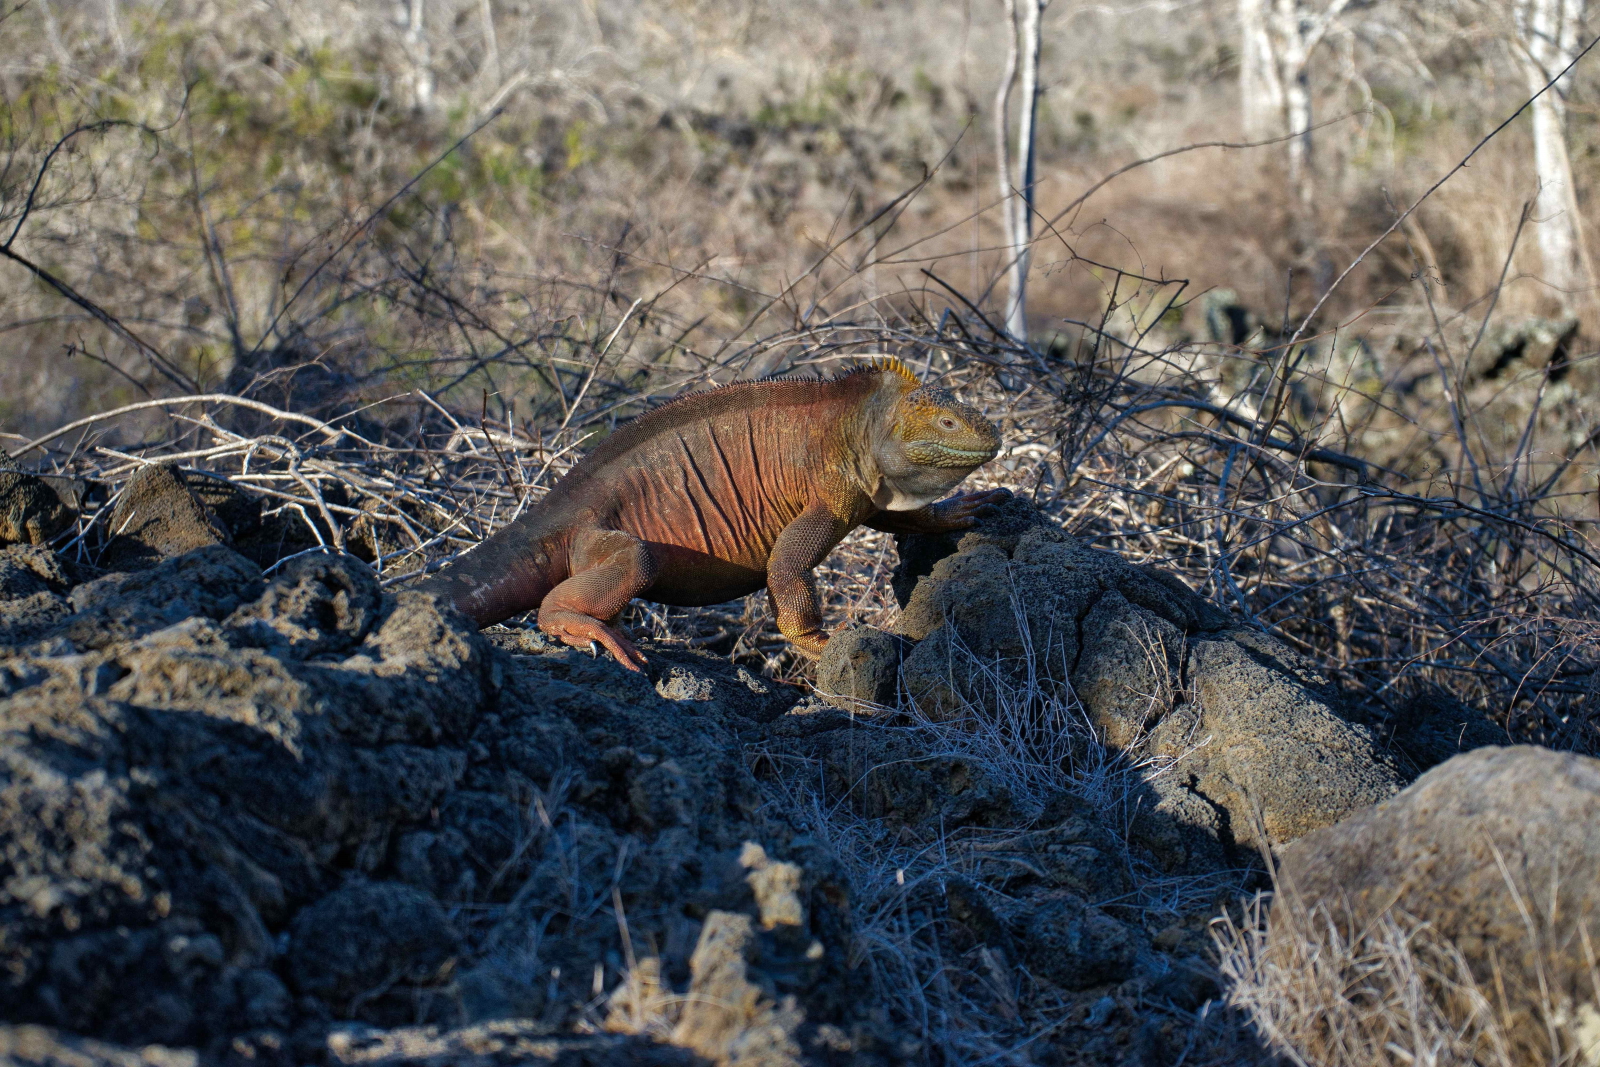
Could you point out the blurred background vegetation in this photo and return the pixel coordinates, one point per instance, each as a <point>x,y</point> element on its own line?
<point>239,214</point>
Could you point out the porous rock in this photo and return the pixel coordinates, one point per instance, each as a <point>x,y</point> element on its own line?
<point>1077,946</point>
<point>32,583</point>
<point>1496,853</point>
<point>315,604</point>
<point>208,583</point>
<point>31,512</point>
<point>1255,746</point>
<point>157,517</point>
<point>519,1041</point>
<point>228,800</point>
<point>29,569</point>
<point>701,678</point>
<point>1274,747</point>
<point>361,938</point>
<point>860,669</point>
<point>236,813</point>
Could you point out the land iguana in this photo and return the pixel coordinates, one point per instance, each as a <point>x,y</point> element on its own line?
<point>713,495</point>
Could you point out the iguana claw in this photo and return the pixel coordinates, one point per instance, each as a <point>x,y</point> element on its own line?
<point>584,632</point>
<point>963,512</point>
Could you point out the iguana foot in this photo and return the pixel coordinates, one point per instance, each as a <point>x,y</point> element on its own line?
<point>583,632</point>
<point>963,512</point>
<point>810,645</point>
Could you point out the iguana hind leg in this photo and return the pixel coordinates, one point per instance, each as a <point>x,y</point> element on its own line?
<point>799,548</point>
<point>609,568</point>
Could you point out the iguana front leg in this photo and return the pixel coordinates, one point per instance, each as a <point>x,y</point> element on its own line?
<point>609,568</point>
<point>946,516</point>
<point>799,548</point>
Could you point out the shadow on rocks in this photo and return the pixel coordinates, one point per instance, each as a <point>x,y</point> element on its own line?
<point>283,817</point>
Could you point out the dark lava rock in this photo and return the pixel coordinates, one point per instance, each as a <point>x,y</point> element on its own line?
<point>315,604</point>
<point>1249,734</point>
<point>157,517</point>
<point>860,669</point>
<point>366,938</point>
<point>31,512</point>
<point>236,811</point>
<point>1077,946</point>
<point>296,818</point>
<point>209,583</point>
<point>33,582</point>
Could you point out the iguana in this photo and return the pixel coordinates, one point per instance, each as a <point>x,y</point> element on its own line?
<point>713,495</point>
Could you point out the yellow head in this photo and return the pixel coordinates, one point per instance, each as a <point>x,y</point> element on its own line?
<point>937,430</point>
<point>928,442</point>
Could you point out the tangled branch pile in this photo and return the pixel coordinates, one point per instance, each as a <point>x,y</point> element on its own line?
<point>1378,531</point>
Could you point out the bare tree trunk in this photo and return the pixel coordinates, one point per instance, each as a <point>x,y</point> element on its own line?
<point>1547,34</point>
<point>1261,100</point>
<point>1294,28</point>
<point>421,59</point>
<point>491,43</point>
<point>1002,121</point>
<point>1021,213</point>
<point>1302,179</point>
<point>1288,35</point>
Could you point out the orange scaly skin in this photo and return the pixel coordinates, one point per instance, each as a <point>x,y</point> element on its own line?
<point>714,495</point>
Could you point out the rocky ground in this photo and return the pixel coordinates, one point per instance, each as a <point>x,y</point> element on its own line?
<point>255,808</point>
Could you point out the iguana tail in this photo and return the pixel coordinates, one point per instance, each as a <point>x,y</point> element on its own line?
<point>507,574</point>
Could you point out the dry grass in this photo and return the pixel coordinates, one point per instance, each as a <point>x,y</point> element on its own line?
<point>1393,994</point>
<point>413,344</point>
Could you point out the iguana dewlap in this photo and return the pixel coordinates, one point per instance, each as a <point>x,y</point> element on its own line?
<point>714,495</point>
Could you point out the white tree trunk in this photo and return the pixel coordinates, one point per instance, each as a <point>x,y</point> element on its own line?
<point>1297,33</point>
<point>1261,100</point>
<point>421,58</point>
<point>1021,201</point>
<point>1002,121</point>
<point>1302,176</point>
<point>1547,32</point>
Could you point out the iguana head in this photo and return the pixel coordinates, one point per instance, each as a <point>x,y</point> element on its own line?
<point>931,442</point>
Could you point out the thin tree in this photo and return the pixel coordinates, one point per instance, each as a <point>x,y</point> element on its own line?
<point>1277,40</point>
<point>1017,175</point>
<point>420,55</point>
<point>1546,41</point>
<point>1261,104</point>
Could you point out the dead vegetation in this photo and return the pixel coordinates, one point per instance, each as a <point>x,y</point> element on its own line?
<point>1403,492</point>
<point>1392,993</point>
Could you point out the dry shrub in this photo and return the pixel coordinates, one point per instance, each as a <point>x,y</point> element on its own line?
<point>1393,993</point>
<point>716,148</point>
<point>1404,539</point>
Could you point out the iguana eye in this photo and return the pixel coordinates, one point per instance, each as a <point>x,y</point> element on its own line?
<point>947,424</point>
